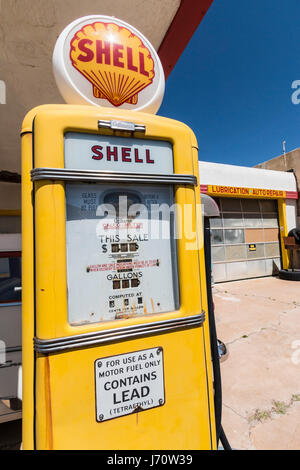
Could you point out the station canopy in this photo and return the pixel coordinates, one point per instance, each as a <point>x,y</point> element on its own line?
<point>28,33</point>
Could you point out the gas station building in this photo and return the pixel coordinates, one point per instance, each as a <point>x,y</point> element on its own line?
<point>258,207</point>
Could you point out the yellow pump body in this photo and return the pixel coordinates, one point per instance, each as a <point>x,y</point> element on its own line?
<point>116,350</point>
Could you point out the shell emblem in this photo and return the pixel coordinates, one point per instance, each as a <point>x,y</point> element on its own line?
<point>114,60</point>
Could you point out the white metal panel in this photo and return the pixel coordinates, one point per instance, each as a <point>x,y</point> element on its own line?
<point>291,214</point>
<point>117,394</point>
<point>110,153</point>
<point>244,177</point>
<point>19,390</point>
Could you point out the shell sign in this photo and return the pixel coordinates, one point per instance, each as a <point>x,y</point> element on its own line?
<point>113,60</point>
<point>106,62</point>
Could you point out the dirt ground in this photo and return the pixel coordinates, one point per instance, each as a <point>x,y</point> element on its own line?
<point>259,320</point>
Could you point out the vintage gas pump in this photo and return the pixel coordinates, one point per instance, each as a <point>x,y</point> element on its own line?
<point>116,340</point>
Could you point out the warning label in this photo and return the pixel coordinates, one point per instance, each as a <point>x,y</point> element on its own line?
<point>129,383</point>
<point>123,265</point>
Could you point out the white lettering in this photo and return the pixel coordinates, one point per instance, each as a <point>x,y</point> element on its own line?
<point>296,94</point>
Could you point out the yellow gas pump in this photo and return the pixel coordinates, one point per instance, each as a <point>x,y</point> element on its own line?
<point>121,342</point>
<point>116,341</point>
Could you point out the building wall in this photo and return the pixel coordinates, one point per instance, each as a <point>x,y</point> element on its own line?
<point>258,209</point>
<point>10,216</point>
<point>10,196</point>
<point>287,162</point>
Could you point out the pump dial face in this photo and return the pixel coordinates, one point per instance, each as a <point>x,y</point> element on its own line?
<point>119,266</point>
<point>121,247</point>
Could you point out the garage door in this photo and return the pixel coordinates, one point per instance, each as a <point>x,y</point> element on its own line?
<point>245,239</point>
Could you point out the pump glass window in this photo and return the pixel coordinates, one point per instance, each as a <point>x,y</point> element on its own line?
<point>121,251</point>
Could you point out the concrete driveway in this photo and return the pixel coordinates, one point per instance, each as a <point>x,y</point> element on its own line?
<point>259,320</point>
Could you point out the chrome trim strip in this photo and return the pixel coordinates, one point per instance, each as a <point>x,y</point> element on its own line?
<point>13,349</point>
<point>118,125</point>
<point>46,346</point>
<point>64,174</point>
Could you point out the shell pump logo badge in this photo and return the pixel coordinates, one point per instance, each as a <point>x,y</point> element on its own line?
<point>106,62</point>
<point>113,60</point>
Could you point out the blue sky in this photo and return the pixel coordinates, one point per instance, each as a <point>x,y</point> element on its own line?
<point>232,84</point>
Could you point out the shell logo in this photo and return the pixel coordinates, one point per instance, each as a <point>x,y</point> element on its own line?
<point>113,60</point>
<point>103,61</point>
